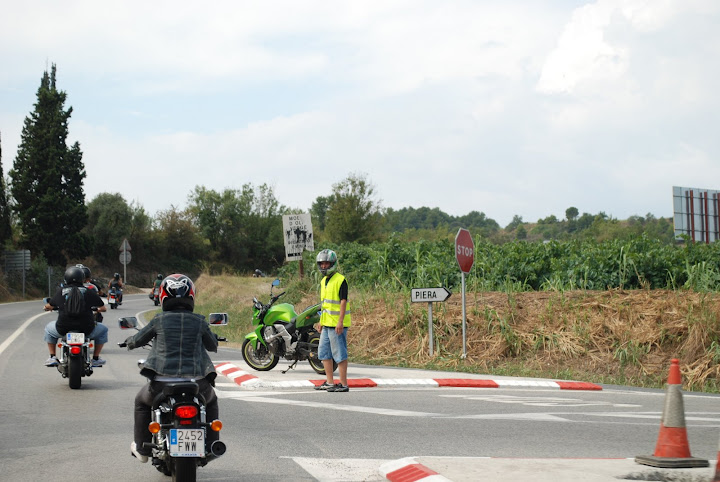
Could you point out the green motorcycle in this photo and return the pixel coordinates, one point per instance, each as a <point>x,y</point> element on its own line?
<point>281,333</point>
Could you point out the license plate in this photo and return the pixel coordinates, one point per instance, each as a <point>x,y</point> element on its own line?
<point>75,338</point>
<point>187,442</point>
<point>112,300</point>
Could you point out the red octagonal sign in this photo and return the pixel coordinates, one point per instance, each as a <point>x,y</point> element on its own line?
<point>464,250</point>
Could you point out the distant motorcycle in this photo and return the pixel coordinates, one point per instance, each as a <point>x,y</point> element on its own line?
<point>179,426</point>
<point>114,298</point>
<point>75,356</point>
<point>275,326</point>
<point>155,296</point>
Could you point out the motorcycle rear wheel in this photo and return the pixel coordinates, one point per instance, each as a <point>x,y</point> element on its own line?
<point>261,360</point>
<point>184,469</point>
<point>75,370</point>
<point>315,363</point>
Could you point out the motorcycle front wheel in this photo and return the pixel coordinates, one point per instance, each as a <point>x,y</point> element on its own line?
<point>315,362</point>
<point>184,470</point>
<point>261,359</point>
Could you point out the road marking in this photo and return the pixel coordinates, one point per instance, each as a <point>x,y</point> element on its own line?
<point>540,401</point>
<point>17,332</point>
<point>341,470</point>
<point>331,406</point>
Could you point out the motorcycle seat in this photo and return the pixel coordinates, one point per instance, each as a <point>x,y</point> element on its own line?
<point>174,388</point>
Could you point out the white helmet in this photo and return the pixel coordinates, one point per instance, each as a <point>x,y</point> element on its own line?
<point>330,256</point>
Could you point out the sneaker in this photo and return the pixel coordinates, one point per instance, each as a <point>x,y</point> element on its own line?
<point>51,362</point>
<point>98,363</point>
<point>324,386</point>
<point>339,387</point>
<point>133,451</point>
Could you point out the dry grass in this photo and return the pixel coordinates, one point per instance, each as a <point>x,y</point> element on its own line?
<point>625,337</point>
<point>612,336</point>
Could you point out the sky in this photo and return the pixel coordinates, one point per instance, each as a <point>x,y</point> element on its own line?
<point>515,107</point>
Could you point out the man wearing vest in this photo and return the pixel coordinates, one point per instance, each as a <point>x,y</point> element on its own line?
<point>334,321</point>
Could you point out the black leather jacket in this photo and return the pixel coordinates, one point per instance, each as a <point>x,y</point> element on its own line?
<point>181,341</point>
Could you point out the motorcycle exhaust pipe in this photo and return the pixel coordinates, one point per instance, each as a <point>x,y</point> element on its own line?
<point>217,448</point>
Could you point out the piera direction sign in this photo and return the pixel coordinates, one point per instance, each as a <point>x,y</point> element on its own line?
<point>429,295</point>
<point>464,250</point>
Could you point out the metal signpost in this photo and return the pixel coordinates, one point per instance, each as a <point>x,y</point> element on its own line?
<point>465,255</point>
<point>125,257</point>
<point>429,296</point>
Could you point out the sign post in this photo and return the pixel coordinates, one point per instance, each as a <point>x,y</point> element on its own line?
<point>298,236</point>
<point>465,255</point>
<point>429,295</point>
<point>125,257</point>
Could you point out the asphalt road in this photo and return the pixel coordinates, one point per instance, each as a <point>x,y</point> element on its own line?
<point>50,432</point>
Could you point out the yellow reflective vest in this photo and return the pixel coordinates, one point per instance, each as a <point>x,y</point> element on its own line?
<point>330,302</point>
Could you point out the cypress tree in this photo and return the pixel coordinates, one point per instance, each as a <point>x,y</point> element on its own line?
<point>47,180</point>
<point>5,230</point>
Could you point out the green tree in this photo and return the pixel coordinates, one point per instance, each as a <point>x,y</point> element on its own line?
<point>354,214</point>
<point>319,211</point>
<point>517,220</point>
<point>571,213</point>
<point>5,229</point>
<point>47,180</point>
<point>243,227</point>
<point>109,222</point>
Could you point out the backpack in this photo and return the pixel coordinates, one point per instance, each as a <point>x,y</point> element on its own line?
<point>74,300</point>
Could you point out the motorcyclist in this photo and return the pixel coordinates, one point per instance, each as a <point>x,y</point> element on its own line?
<point>74,277</point>
<point>158,282</point>
<point>118,285</point>
<point>93,285</point>
<point>181,340</point>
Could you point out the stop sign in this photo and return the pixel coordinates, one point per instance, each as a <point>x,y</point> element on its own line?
<point>464,250</point>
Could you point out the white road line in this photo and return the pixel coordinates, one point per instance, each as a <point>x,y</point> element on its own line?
<point>332,406</point>
<point>17,332</point>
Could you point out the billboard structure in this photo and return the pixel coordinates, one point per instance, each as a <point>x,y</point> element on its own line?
<point>298,234</point>
<point>695,213</point>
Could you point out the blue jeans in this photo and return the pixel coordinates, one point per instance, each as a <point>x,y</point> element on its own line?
<point>99,334</point>
<point>333,345</point>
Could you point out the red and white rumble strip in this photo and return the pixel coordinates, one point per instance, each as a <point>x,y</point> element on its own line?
<point>408,470</point>
<point>246,380</point>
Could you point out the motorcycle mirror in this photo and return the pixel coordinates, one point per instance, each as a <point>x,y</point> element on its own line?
<point>276,282</point>
<point>218,318</point>
<point>127,322</point>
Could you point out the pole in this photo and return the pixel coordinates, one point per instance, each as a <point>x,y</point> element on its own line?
<point>464,355</point>
<point>302,270</point>
<point>430,327</point>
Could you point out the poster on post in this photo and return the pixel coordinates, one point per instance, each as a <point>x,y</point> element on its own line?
<point>297,231</point>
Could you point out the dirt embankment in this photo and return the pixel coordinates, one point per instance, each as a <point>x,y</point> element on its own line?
<point>611,336</point>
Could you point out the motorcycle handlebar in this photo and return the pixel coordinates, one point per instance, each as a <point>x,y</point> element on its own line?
<point>122,344</point>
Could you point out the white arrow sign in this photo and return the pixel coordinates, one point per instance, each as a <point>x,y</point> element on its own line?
<point>429,295</point>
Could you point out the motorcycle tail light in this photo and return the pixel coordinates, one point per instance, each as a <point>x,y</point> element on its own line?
<point>186,411</point>
<point>75,350</point>
<point>91,345</point>
<point>216,425</point>
<point>154,427</point>
<point>59,345</point>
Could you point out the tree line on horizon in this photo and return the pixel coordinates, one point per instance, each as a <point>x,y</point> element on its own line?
<point>43,209</point>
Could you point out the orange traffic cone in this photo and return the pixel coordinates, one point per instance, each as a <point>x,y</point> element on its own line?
<point>672,449</point>
<point>717,468</point>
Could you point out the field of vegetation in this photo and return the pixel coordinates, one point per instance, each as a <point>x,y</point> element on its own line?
<point>609,312</point>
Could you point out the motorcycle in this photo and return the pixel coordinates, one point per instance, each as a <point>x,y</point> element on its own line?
<point>155,296</point>
<point>75,355</point>
<point>114,298</point>
<point>178,421</point>
<point>280,332</point>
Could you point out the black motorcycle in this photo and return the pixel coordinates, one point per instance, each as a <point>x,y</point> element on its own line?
<point>178,421</point>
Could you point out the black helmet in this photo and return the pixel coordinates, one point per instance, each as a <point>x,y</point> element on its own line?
<point>159,276</point>
<point>117,276</point>
<point>177,291</point>
<point>85,270</point>
<point>74,276</point>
